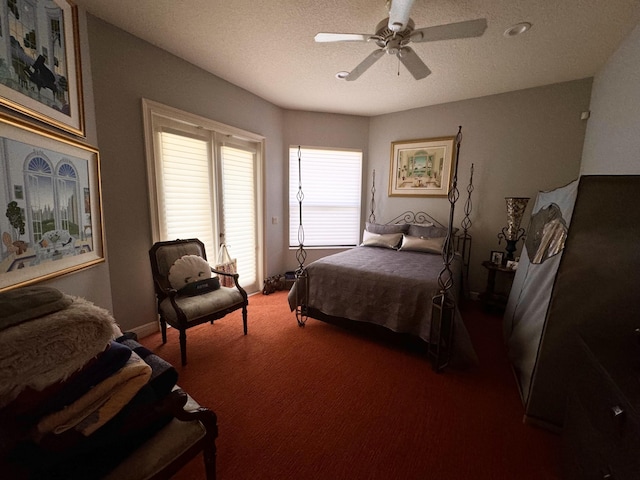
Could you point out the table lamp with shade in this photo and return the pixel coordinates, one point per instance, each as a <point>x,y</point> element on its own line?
<point>513,232</point>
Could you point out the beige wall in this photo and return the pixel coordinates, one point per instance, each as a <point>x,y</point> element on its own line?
<point>519,142</point>
<point>612,142</point>
<point>310,129</point>
<point>126,69</point>
<point>91,283</point>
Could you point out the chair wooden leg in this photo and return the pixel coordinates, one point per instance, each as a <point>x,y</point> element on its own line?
<point>183,347</point>
<point>209,444</point>
<point>163,330</point>
<point>244,319</point>
<point>209,454</point>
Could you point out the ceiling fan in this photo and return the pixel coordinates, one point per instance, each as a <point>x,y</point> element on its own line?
<point>394,34</point>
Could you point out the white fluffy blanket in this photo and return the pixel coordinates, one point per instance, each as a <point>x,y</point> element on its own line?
<point>48,349</point>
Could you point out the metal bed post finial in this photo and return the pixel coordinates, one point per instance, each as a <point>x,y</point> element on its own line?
<point>443,305</point>
<point>301,254</point>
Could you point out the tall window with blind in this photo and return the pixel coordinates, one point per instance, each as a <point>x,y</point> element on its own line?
<point>187,200</point>
<point>332,186</point>
<point>239,206</point>
<point>204,182</point>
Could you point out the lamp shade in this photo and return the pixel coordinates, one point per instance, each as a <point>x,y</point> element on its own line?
<point>515,210</point>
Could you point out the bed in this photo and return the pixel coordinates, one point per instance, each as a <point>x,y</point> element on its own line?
<point>405,277</point>
<point>389,280</point>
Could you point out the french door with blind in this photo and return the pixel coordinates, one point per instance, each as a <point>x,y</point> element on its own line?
<point>205,182</point>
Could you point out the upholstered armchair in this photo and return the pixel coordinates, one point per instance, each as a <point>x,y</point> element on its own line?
<point>186,294</point>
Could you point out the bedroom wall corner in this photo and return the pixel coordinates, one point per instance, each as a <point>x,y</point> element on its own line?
<point>125,70</point>
<point>313,129</point>
<point>519,142</point>
<point>612,143</point>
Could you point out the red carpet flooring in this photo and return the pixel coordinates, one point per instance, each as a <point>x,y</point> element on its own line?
<point>321,402</point>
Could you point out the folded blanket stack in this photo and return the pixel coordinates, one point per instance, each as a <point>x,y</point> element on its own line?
<point>76,396</point>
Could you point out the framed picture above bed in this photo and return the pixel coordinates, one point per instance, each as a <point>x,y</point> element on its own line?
<point>51,214</point>
<point>40,71</point>
<point>421,168</point>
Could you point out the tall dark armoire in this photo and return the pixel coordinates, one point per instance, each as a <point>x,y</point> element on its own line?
<point>578,281</point>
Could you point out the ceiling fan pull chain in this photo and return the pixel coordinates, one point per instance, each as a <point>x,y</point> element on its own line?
<point>398,61</point>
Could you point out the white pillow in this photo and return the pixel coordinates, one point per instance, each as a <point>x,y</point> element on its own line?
<point>422,244</point>
<point>386,240</point>
<point>188,269</point>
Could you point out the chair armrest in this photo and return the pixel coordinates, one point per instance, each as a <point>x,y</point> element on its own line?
<point>227,274</point>
<point>167,292</point>
<point>190,411</point>
<point>235,280</point>
<point>193,430</point>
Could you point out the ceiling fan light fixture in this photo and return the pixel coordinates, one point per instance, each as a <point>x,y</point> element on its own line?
<point>517,29</point>
<point>393,36</point>
<point>399,11</point>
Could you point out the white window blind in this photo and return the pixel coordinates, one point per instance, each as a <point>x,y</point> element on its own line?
<point>239,202</point>
<point>331,184</point>
<point>187,203</point>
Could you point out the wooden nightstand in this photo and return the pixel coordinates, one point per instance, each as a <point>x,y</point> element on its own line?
<point>492,299</point>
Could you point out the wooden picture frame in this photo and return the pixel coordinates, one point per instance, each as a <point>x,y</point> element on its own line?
<point>40,69</point>
<point>497,257</point>
<point>54,226</point>
<point>421,168</point>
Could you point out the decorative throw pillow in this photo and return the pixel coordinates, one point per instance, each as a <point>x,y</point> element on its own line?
<point>386,240</point>
<point>423,224</point>
<point>385,229</point>
<point>188,269</point>
<point>422,244</point>
<point>428,231</point>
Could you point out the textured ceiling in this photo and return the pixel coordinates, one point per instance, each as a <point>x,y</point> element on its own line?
<point>267,46</point>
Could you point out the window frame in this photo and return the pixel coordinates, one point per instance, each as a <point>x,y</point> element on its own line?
<point>293,212</point>
<point>220,133</point>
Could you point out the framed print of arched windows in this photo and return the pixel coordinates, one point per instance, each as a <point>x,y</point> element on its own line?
<point>51,220</point>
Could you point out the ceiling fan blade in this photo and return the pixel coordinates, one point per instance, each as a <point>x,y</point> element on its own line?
<point>412,61</point>
<point>342,37</point>
<point>364,65</point>
<point>399,14</point>
<point>468,29</point>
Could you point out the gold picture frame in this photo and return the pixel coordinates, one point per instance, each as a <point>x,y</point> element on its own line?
<point>51,215</point>
<point>421,168</point>
<point>40,69</point>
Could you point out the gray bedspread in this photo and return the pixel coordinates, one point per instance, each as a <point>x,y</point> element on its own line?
<point>386,287</point>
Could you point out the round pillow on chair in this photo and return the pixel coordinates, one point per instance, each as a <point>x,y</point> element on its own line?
<point>188,269</point>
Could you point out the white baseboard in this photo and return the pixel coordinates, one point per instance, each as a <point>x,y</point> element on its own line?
<point>146,329</point>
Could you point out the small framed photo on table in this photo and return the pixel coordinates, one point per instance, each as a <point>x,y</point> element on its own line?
<point>512,264</point>
<point>497,257</point>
